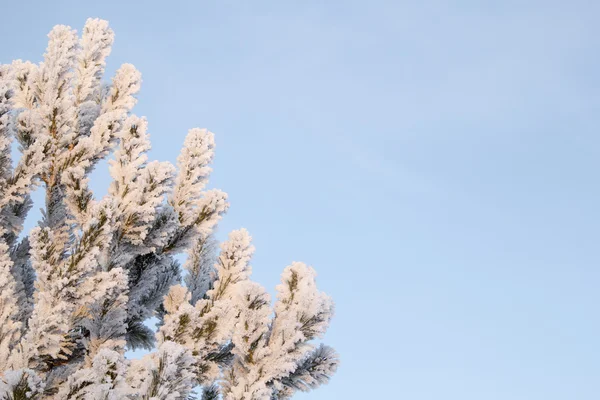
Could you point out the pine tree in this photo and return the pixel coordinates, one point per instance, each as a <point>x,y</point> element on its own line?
<point>78,290</point>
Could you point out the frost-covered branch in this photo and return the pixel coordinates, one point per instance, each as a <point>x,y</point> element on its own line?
<point>315,370</point>
<point>268,353</point>
<point>103,380</point>
<point>96,42</point>
<point>138,187</point>
<point>206,326</point>
<point>10,326</point>
<point>245,379</point>
<point>58,292</point>
<point>194,170</point>
<point>21,384</point>
<point>16,185</point>
<point>167,374</point>
<point>80,288</point>
<point>200,267</point>
<point>24,276</point>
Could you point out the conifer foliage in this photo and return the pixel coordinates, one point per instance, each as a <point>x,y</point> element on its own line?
<point>77,291</point>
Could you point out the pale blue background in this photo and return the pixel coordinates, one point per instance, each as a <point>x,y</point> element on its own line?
<point>437,162</point>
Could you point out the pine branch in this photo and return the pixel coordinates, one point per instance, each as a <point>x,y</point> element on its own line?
<point>315,370</point>
<point>84,283</point>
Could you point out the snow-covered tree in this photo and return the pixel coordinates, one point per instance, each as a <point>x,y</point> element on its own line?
<point>77,292</point>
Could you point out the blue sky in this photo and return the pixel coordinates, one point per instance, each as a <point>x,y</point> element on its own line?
<point>437,162</point>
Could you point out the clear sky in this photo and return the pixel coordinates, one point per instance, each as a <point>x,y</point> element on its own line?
<point>437,162</point>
